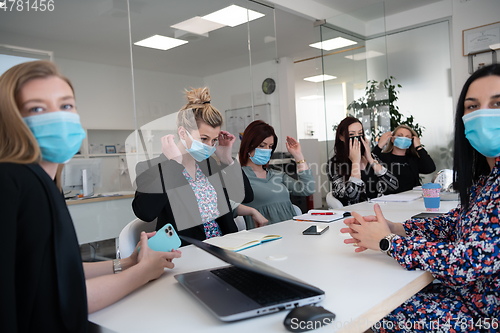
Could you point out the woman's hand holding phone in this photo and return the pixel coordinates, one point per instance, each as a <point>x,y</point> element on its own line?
<point>152,262</point>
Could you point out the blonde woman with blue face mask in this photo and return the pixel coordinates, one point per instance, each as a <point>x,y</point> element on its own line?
<point>404,157</point>
<point>43,280</point>
<point>194,184</point>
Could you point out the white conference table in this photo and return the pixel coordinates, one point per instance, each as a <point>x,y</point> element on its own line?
<point>361,288</point>
<point>398,211</point>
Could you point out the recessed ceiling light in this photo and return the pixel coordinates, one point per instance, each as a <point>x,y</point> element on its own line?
<point>364,55</point>
<point>319,78</point>
<point>160,42</point>
<point>233,15</point>
<point>198,25</point>
<point>312,97</point>
<point>335,43</point>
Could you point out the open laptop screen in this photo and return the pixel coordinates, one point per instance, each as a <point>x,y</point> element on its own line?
<point>242,261</point>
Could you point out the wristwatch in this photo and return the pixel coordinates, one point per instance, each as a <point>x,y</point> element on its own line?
<point>386,243</point>
<point>117,267</point>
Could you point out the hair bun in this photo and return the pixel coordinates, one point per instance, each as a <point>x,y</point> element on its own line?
<point>198,96</point>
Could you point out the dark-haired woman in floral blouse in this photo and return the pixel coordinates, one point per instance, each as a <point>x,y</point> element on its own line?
<point>461,249</point>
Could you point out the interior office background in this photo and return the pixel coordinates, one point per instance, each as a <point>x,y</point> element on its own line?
<point>121,87</point>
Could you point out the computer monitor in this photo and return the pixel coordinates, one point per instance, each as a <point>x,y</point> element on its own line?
<point>79,171</point>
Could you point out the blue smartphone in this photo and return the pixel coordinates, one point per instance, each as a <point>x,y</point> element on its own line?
<point>165,240</point>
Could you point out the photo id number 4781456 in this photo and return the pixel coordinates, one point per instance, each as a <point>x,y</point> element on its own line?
<point>27,5</point>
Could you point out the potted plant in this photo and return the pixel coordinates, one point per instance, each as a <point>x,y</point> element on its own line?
<point>379,103</point>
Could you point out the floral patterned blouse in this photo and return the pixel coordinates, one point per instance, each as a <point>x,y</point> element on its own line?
<point>461,248</point>
<point>206,196</point>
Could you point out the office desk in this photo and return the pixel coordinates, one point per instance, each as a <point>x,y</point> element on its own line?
<point>361,288</point>
<point>97,219</point>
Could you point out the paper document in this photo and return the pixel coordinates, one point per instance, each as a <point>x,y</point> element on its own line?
<point>316,215</point>
<point>399,197</point>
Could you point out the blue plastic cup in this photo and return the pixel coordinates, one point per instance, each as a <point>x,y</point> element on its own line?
<point>432,198</point>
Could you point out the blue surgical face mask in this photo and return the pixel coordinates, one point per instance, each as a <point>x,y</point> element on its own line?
<point>59,134</point>
<point>402,142</point>
<point>261,156</point>
<point>482,129</point>
<point>199,151</point>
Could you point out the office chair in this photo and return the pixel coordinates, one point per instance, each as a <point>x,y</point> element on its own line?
<point>240,223</point>
<point>297,210</point>
<point>333,202</point>
<point>130,236</point>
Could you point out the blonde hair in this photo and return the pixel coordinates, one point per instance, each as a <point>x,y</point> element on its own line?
<point>390,144</point>
<point>200,109</point>
<point>17,143</point>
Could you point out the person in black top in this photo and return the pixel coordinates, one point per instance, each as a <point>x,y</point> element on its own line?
<point>355,173</point>
<point>43,284</point>
<point>405,157</point>
<point>186,186</point>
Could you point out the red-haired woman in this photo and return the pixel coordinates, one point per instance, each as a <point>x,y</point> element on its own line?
<point>355,173</point>
<point>272,188</point>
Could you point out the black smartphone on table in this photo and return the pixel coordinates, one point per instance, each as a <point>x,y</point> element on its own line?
<point>315,230</point>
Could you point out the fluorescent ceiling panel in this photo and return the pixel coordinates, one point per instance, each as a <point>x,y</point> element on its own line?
<point>233,15</point>
<point>320,78</point>
<point>198,25</point>
<point>364,55</point>
<point>160,42</point>
<point>312,97</point>
<point>334,43</point>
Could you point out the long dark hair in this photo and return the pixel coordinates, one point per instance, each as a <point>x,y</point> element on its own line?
<point>468,164</point>
<point>341,160</point>
<point>256,132</point>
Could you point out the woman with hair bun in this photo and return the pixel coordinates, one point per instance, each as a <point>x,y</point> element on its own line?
<point>186,186</point>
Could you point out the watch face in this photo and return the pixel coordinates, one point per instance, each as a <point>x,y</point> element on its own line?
<point>384,244</point>
<point>268,86</point>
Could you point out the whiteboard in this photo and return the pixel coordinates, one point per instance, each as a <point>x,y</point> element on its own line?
<point>238,119</point>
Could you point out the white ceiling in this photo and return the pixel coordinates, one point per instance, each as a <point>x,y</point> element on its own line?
<point>97,31</point>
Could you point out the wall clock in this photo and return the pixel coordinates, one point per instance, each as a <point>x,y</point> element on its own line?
<point>268,86</point>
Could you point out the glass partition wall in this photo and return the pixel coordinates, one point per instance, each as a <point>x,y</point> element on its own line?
<point>230,55</point>
<point>122,86</point>
<point>363,59</point>
<point>351,51</point>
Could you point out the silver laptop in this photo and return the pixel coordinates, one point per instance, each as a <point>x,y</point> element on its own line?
<point>247,288</point>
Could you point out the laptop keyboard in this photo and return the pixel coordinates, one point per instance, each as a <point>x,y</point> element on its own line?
<point>262,289</point>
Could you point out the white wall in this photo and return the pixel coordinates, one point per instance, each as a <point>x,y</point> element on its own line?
<point>422,66</point>
<point>104,101</point>
<point>234,89</point>
<point>103,93</point>
<point>468,15</point>
<point>464,15</point>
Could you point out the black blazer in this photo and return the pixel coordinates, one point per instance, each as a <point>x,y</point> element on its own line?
<point>42,284</point>
<point>160,176</point>
<point>423,164</point>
